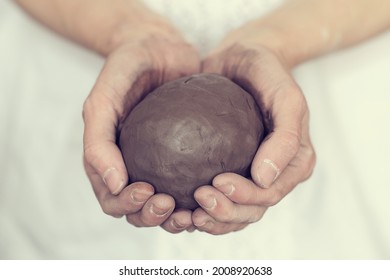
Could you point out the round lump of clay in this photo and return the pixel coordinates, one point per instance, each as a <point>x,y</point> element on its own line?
<point>185,132</point>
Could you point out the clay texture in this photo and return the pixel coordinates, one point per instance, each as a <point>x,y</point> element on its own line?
<point>184,133</point>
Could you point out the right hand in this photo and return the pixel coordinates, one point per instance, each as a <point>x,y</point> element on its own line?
<point>150,57</point>
<point>284,159</point>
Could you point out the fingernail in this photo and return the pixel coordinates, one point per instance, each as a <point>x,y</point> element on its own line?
<point>209,203</point>
<point>267,173</point>
<point>200,224</point>
<point>159,212</point>
<point>113,180</point>
<point>227,189</point>
<point>207,225</point>
<point>139,196</point>
<point>177,225</point>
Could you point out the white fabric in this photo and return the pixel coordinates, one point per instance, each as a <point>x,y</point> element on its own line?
<point>48,209</point>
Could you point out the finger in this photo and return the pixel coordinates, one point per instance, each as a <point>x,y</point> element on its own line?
<point>206,223</point>
<point>102,112</point>
<point>213,63</point>
<point>282,103</point>
<point>183,62</point>
<point>244,191</point>
<point>105,107</point>
<point>100,150</point>
<point>178,221</point>
<point>283,142</point>
<point>130,200</point>
<point>155,211</point>
<point>222,209</point>
<point>127,76</point>
<point>283,106</point>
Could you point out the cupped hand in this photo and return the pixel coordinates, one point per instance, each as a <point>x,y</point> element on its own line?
<point>286,156</point>
<point>147,59</point>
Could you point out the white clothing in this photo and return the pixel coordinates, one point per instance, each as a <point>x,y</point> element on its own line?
<point>48,209</point>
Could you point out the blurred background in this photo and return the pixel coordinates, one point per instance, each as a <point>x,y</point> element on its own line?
<point>48,209</point>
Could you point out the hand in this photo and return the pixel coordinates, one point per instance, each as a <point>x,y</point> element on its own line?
<point>285,158</point>
<point>153,55</point>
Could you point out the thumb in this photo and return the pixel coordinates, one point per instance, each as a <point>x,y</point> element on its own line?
<point>101,154</point>
<point>283,142</point>
<point>104,159</point>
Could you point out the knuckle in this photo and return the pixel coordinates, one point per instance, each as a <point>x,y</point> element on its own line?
<point>240,227</point>
<point>211,64</point>
<point>86,108</point>
<point>309,163</point>
<point>224,228</point>
<point>118,216</point>
<point>217,230</point>
<point>106,210</point>
<point>227,215</point>
<point>130,219</point>
<point>256,216</point>
<point>290,143</point>
<point>295,91</point>
<point>109,206</point>
<point>90,154</point>
<point>138,220</point>
<point>128,208</point>
<point>146,219</point>
<point>274,198</point>
<point>296,98</point>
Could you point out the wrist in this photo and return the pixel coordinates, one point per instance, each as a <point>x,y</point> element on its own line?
<point>290,49</point>
<point>134,27</point>
<point>130,33</point>
<point>259,36</point>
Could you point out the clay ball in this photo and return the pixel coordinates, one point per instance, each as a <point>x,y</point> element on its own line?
<point>185,132</point>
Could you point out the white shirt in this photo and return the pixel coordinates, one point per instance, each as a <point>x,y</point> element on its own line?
<point>47,206</point>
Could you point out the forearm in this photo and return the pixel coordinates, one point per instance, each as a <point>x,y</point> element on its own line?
<point>303,29</point>
<point>97,24</point>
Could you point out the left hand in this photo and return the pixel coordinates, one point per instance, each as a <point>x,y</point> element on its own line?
<point>138,64</point>
<point>286,156</point>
